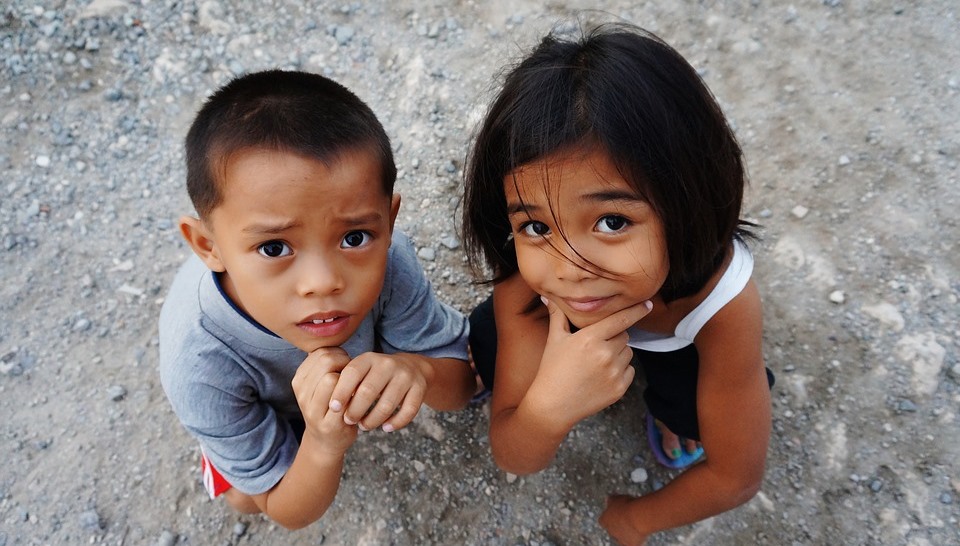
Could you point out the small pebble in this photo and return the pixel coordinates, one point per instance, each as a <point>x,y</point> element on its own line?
<point>167,539</point>
<point>843,161</point>
<point>838,297</point>
<point>906,406</point>
<point>90,520</point>
<point>799,212</point>
<point>81,325</point>
<point>117,393</point>
<point>946,498</point>
<point>43,161</point>
<point>239,529</point>
<point>427,254</point>
<point>639,475</point>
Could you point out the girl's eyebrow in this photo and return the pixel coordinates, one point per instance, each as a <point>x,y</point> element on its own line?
<point>612,195</point>
<point>520,208</point>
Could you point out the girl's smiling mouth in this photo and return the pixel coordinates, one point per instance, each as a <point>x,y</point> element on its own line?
<point>586,305</point>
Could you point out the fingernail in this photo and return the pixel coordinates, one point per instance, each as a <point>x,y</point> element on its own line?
<point>387,427</point>
<point>675,453</point>
<point>335,405</point>
<point>361,427</point>
<point>348,420</point>
<point>648,304</point>
<point>544,300</point>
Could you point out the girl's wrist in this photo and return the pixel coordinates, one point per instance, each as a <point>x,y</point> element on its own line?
<point>549,413</point>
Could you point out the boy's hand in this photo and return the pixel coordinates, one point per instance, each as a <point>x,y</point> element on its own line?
<point>584,372</point>
<point>313,384</point>
<point>380,389</point>
<point>615,519</point>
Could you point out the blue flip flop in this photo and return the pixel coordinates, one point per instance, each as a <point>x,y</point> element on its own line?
<point>655,440</point>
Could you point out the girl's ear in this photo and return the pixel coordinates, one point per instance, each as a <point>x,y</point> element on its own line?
<point>200,239</point>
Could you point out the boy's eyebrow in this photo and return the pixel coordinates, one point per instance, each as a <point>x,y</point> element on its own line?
<point>270,229</point>
<point>349,221</point>
<point>362,219</point>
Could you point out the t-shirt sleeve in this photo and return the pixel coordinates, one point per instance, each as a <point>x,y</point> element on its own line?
<point>213,393</point>
<point>412,319</point>
<point>244,438</point>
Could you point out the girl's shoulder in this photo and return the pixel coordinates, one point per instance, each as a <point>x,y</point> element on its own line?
<point>514,300</point>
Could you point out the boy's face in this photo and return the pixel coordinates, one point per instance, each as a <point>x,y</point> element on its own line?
<point>302,247</point>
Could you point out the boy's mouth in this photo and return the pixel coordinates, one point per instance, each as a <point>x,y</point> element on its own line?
<point>325,324</point>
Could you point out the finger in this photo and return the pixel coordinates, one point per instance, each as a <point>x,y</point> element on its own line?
<point>408,410</point>
<point>365,396</point>
<point>559,324</point>
<point>617,323</point>
<point>315,407</point>
<point>330,359</point>
<point>390,400</point>
<point>350,379</point>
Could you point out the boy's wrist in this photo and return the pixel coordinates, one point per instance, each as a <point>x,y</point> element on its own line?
<point>321,453</point>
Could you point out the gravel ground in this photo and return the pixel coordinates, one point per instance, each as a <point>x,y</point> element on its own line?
<point>849,113</point>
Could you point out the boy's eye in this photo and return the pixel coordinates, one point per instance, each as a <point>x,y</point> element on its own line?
<point>535,229</point>
<point>355,239</point>
<point>274,249</point>
<point>611,224</point>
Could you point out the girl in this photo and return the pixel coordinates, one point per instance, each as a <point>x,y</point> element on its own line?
<point>604,193</point>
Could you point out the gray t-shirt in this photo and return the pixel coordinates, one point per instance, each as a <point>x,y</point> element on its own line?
<point>228,378</point>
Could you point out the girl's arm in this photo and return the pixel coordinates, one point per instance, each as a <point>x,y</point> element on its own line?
<point>733,407</point>
<point>549,379</point>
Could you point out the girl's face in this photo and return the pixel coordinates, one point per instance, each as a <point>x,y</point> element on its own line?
<point>584,238</point>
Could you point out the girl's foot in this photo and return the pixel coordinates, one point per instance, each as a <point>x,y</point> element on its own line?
<point>670,450</point>
<point>671,442</point>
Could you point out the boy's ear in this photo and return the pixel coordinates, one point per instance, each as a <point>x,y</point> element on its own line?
<point>200,239</point>
<point>394,209</point>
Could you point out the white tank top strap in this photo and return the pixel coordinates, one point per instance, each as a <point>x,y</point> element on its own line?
<point>732,282</point>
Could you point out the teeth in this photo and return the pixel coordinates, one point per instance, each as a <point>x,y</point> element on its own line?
<point>324,321</point>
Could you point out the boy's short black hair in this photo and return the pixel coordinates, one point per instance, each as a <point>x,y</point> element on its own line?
<point>624,90</point>
<point>296,112</point>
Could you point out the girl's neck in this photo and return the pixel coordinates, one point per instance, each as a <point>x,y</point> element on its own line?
<point>664,317</point>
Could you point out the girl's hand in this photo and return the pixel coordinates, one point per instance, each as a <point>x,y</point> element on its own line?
<point>313,385</point>
<point>381,389</point>
<point>584,372</point>
<point>615,519</point>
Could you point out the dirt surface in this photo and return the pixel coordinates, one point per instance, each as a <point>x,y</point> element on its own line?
<point>849,114</point>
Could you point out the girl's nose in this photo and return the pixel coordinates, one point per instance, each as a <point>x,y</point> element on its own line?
<point>569,266</point>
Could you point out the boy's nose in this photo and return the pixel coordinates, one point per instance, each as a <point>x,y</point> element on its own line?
<point>320,277</point>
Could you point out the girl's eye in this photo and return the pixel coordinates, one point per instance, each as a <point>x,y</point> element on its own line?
<point>274,249</point>
<point>611,224</point>
<point>355,239</point>
<point>534,229</point>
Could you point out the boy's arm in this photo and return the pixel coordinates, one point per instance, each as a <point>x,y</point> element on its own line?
<point>733,401</point>
<point>310,484</point>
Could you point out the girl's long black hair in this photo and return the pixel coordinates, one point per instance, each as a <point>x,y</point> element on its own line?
<point>623,89</point>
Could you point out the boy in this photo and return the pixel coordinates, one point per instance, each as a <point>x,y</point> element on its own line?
<point>267,335</point>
